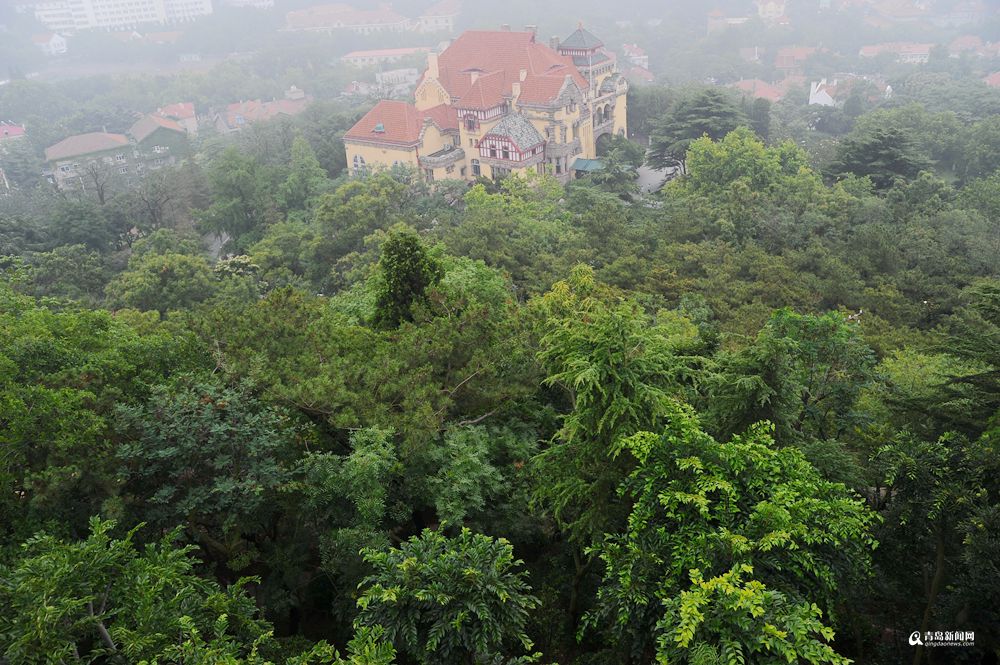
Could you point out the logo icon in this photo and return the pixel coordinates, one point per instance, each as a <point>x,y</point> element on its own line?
<point>915,639</point>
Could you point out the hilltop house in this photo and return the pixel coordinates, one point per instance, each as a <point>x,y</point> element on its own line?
<point>498,102</point>
<point>50,43</point>
<point>236,117</point>
<point>183,114</point>
<point>151,143</point>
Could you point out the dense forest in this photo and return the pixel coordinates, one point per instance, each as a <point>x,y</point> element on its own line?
<point>254,410</point>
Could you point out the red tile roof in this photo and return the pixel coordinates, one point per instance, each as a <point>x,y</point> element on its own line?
<point>10,130</point>
<point>397,122</point>
<point>505,54</point>
<point>150,123</point>
<point>759,89</point>
<point>181,111</point>
<point>899,48</point>
<point>85,144</point>
<point>993,80</point>
<point>254,110</point>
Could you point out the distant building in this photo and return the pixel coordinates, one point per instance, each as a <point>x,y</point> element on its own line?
<point>718,21</point>
<point>255,4</point>
<point>382,56</point>
<point>791,59</point>
<point>905,52</point>
<point>635,55</point>
<point>439,17</point>
<point>993,80</point>
<point>50,43</point>
<point>151,143</point>
<point>495,103</point>
<point>330,18</point>
<point>71,15</point>
<point>758,89</point>
<point>835,91</point>
<point>770,10</point>
<point>640,75</point>
<point>183,114</point>
<point>10,131</point>
<point>237,117</point>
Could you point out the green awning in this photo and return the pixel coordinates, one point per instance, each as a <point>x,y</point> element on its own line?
<point>587,165</point>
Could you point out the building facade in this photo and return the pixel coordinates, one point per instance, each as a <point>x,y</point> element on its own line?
<point>84,161</point>
<point>71,15</point>
<point>495,103</point>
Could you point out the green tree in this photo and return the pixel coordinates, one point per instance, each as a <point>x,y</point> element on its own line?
<point>732,550</point>
<point>406,272</point>
<point>306,178</point>
<point>883,154</point>
<point>454,601</point>
<point>162,282</point>
<point>710,112</point>
<point>210,458</point>
<point>103,599</point>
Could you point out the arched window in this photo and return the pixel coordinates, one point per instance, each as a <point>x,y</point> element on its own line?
<point>360,167</point>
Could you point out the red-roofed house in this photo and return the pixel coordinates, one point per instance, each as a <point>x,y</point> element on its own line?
<point>993,80</point>
<point>502,81</point>
<point>757,89</point>
<point>636,55</point>
<point>9,131</point>
<point>906,52</point>
<point>183,114</point>
<point>50,43</point>
<point>238,116</point>
<point>790,59</point>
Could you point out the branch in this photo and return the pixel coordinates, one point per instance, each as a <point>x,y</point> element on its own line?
<point>105,635</point>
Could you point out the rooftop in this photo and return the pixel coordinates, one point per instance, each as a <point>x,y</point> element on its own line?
<point>85,144</point>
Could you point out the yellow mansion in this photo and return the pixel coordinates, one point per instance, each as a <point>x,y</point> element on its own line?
<point>495,103</point>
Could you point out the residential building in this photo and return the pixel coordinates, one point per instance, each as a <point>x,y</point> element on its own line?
<point>10,131</point>
<point>50,43</point>
<point>718,21</point>
<point>835,91</point>
<point>330,18</point>
<point>183,114</point>
<point>758,89</point>
<point>81,161</point>
<point>905,52</point>
<point>770,10</point>
<point>71,15</point>
<point>993,80</point>
<point>255,4</point>
<point>791,59</point>
<point>382,56</point>
<point>439,17</point>
<point>635,55</point>
<point>495,103</point>
<point>238,116</point>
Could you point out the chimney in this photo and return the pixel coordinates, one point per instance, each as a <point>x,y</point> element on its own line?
<point>515,90</point>
<point>554,42</point>
<point>474,76</point>
<point>505,27</point>
<point>432,66</point>
<point>523,74</point>
<point>531,28</point>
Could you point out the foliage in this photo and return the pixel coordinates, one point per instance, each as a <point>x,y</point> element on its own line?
<point>708,514</point>
<point>449,600</point>
<point>406,272</point>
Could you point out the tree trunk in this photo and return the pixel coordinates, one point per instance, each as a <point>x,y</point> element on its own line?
<point>935,588</point>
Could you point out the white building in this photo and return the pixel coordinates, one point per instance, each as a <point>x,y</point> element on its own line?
<point>255,4</point>
<point>50,43</point>
<point>69,15</point>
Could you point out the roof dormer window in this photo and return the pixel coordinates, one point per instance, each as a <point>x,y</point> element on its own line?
<point>379,128</point>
